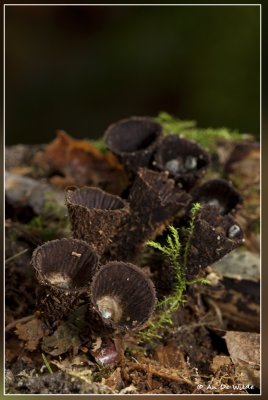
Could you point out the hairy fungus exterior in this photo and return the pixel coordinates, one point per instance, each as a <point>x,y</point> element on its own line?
<point>218,193</point>
<point>154,200</point>
<point>122,298</point>
<point>214,236</point>
<point>185,161</point>
<point>133,140</point>
<point>154,193</point>
<point>64,268</point>
<point>95,216</point>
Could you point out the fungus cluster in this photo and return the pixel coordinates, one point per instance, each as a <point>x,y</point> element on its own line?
<point>109,231</point>
<point>120,296</point>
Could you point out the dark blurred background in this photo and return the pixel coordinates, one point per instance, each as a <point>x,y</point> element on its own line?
<point>79,68</point>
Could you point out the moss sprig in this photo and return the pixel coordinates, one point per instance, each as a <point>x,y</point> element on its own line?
<point>172,249</point>
<point>190,231</point>
<point>99,144</point>
<point>47,363</point>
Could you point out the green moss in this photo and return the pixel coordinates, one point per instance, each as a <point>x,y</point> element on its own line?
<point>173,125</point>
<point>52,207</point>
<point>46,363</point>
<point>52,223</point>
<point>48,228</point>
<point>103,372</point>
<point>99,145</point>
<point>207,138</point>
<point>166,307</point>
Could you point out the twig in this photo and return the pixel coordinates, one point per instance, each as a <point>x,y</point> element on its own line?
<point>206,320</point>
<point>161,372</point>
<point>18,321</point>
<point>16,255</point>
<point>216,309</point>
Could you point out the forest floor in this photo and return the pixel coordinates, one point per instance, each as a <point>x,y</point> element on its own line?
<point>212,346</point>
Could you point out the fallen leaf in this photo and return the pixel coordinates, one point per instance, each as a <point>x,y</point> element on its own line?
<point>114,381</point>
<point>31,332</point>
<point>170,356</point>
<point>220,362</point>
<point>65,338</point>
<point>81,163</point>
<point>78,361</point>
<point>244,349</point>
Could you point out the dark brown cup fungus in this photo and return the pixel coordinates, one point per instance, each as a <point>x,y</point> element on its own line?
<point>214,236</point>
<point>133,140</point>
<point>64,268</point>
<point>185,161</point>
<point>217,193</point>
<point>122,298</point>
<point>155,196</point>
<point>154,200</point>
<point>95,216</point>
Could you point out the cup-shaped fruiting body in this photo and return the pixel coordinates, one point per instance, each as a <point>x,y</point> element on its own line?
<point>154,200</point>
<point>155,197</point>
<point>217,193</point>
<point>214,236</point>
<point>122,298</point>
<point>95,216</point>
<point>133,140</point>
<point>64,269</point>
<point>185,161</point>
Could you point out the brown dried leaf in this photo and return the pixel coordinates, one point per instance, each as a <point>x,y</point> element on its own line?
<point>161,372</point>
<point>220,362</point>
<point>153,368</point>
<point>114,381</point>
<point>80,162</point>
<point>244,349</point>
<point>65,338</point>
<point>243,346</point>
<point>78,361</point>
<point>21,170</point>
<point>31,332</point>
<point>62,181</point>
<point>170,356</point>
<point>13,348</point>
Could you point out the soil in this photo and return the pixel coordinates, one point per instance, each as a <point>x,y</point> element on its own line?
<point>191,356</point>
